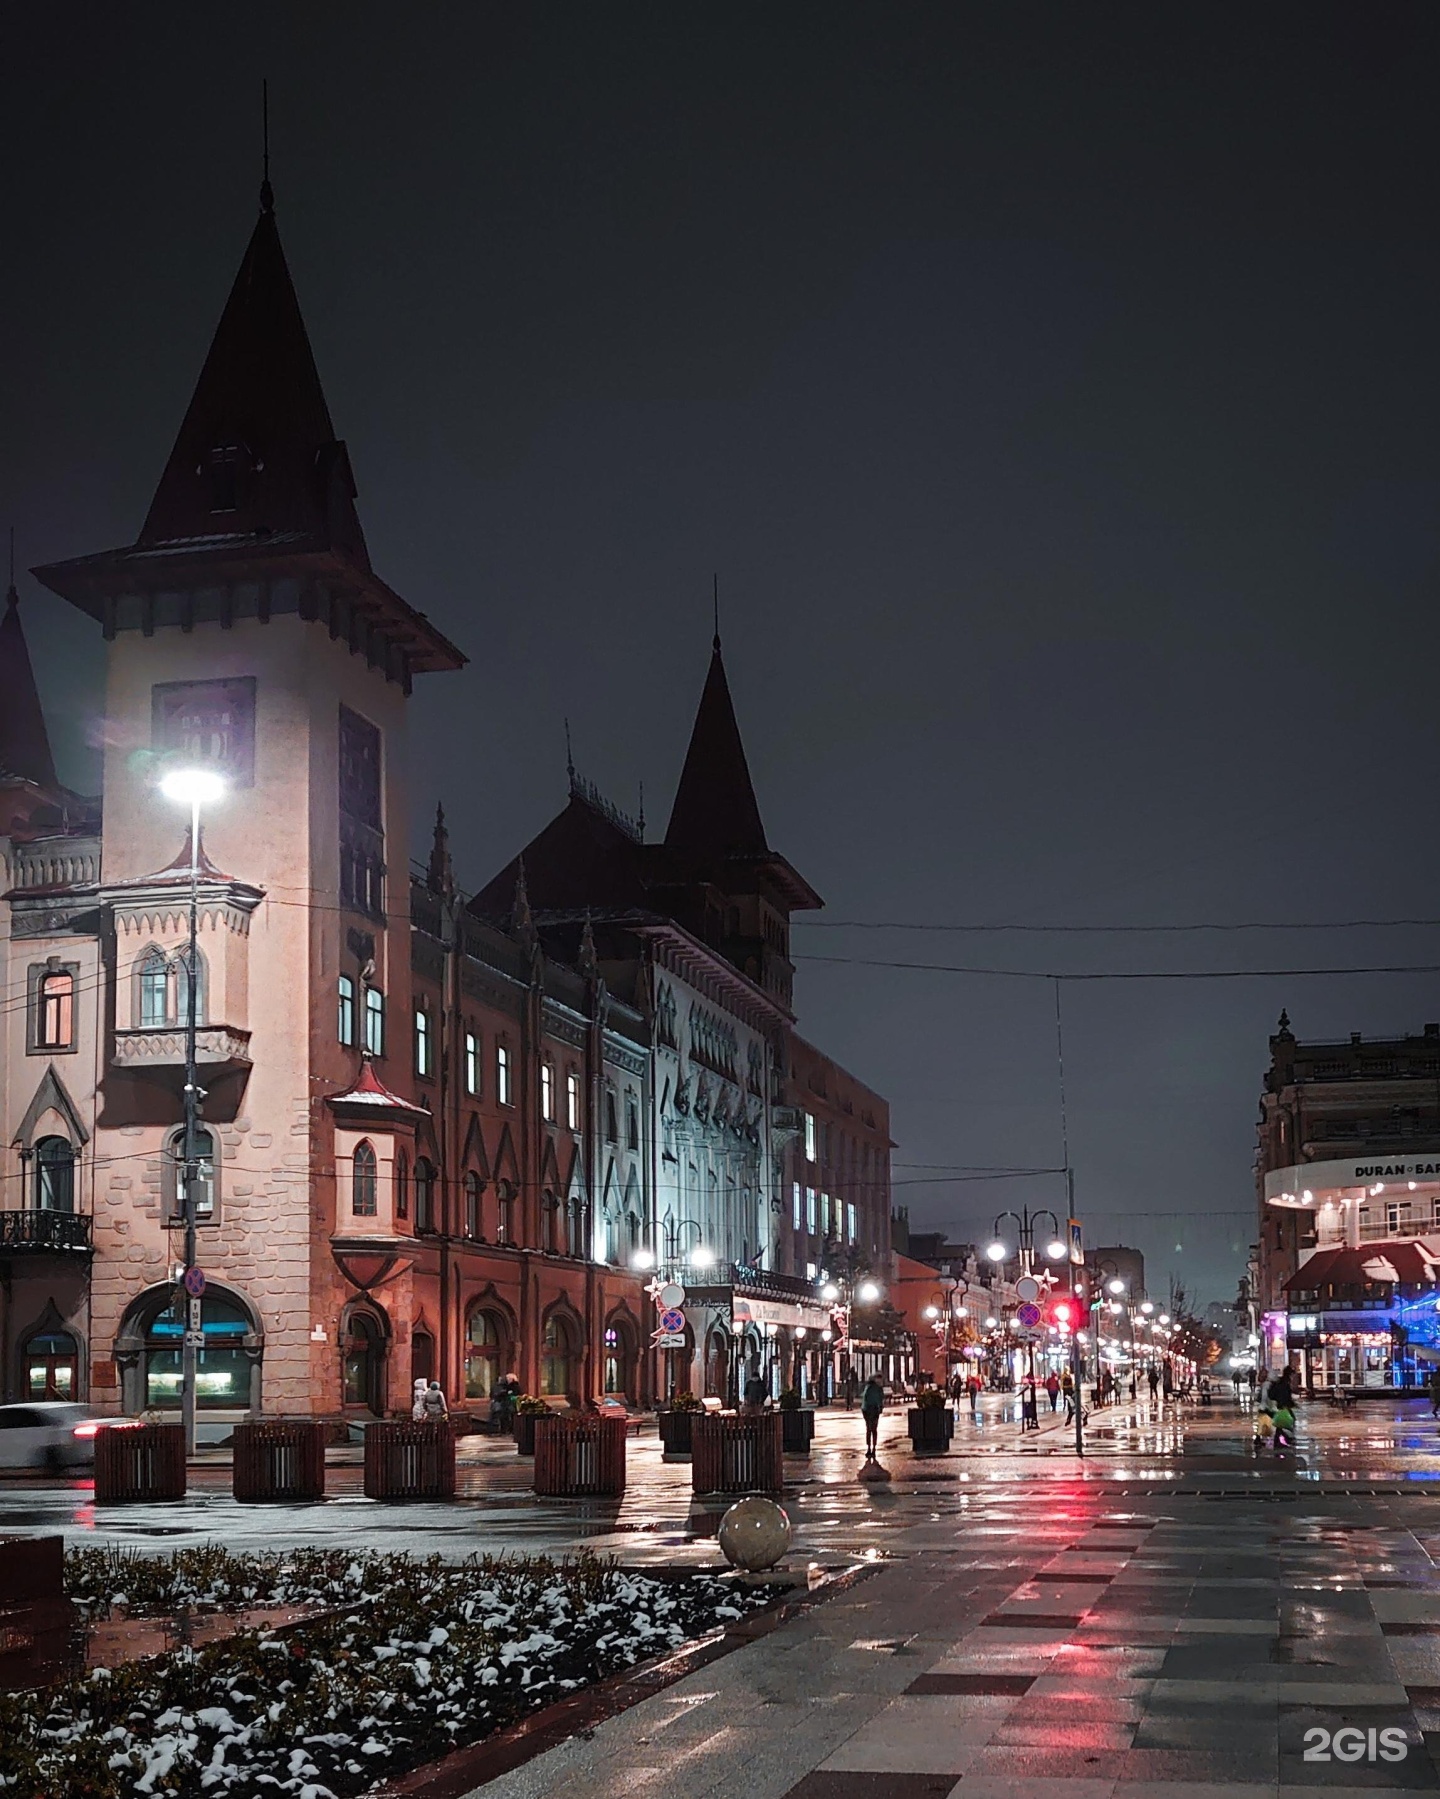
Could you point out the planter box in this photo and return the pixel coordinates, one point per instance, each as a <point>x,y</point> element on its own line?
<point>797,1429</point>
<point>580,1458</point>
<point>737,1454</point>
<point>676,1434</point>
<point>931,1428</point>
<point>138,1462</point>
<point>280,1459</point>
<point>36,1619</point>
<point>525,1423</point>
<point>410,1461</point>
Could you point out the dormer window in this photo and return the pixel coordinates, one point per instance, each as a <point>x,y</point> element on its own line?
<point>223,468</point>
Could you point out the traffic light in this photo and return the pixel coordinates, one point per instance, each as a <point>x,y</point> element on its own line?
<point>1063,1312</point>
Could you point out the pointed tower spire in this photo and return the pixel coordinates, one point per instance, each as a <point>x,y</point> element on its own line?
<point>522,923</point>
<point>24,741</point>
<point>439,876</point>
<point>715,811</point>
<point>257,457</point>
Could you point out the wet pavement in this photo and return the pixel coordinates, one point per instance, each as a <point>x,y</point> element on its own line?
<point>1177,1616</point>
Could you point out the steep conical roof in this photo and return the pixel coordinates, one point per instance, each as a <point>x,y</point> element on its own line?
<point>257,453</point>
<point>24,742</point>
<point>715,811</point>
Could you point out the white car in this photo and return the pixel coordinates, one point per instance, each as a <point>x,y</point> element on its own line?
<point>47,1434</point>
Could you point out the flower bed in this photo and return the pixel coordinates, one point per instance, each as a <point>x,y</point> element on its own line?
<point>410,1659</point>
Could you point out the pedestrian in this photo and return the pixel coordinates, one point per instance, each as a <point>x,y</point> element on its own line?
<point>1067,1393</point>
<point>754,1392</point>
<point>1052,1387</point>
<point>417,1399</point>
<point>1132,1388</point>
<point>1433,1385</point>
<point>972,1387</point>
<point>1152,1374</point>
<point>872,1403</point>
<point>1029,1406</point>
<point>433,1405</point>
<point>1264,1409</point>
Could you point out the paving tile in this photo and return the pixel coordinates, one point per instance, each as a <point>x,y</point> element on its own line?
<point>1014,1686</point>
<point>1158,1765</point>
<point>990,1786</point>
<point>1071,1728</point>
<point>822,1784</point>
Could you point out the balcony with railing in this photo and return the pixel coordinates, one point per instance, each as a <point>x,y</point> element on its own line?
<point>45,1233</point>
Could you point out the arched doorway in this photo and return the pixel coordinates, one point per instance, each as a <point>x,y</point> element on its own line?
<point>618,1363</point>
<point>363,1382</point>
<point>222,1374</point>
<point>717,1364</point>
<point>557,1357</point>
<point>483,1353</point>
<point>422,1356</point>
<point>51,1360</point>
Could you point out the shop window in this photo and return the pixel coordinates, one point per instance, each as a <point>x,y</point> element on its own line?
<point>54,1175</point>
<point>55,999</point>
<point>482,1354</point>
<point>52,1366</point>
<point>363,1182</point>
<point>557,1351</point>
<point>346,1022</point>
<point>222,1376</point>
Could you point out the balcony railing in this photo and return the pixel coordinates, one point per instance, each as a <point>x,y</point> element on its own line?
<point>44,1233</point>
<point>164,1046</point>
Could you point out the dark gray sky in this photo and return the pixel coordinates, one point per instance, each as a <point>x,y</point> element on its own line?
<point>1053,388</point>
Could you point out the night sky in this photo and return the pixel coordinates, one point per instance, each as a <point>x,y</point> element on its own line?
<point>1054,390</point>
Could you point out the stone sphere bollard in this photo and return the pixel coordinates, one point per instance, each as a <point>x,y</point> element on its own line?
<point>754,1533</point>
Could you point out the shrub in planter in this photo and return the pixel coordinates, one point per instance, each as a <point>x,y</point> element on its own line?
<point>527,1410</point>
<point>931,1421</point>
<point>676,1421</point>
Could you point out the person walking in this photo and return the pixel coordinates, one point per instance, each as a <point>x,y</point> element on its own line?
<point>433,1405</point>
<point>1052,1387</point>
<point>1152,1374</point>
<point>872,1403</point>
<point>417,1400</point>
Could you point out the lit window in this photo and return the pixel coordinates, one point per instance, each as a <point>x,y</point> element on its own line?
<point>502,1074</point>
<point>824,1214</point>
<point>375,1021</point>
<point>362,1182</point>
<point>799,1214</point>
<point>809,1138</point>
<point>810,1210</point>
<point>572,1100</point>
<point>347,1011</point>
<point>424,1055</point>
<point>57,1010</point>
<point>472,1062</point>
<point>849,1223</point>
<point>547,1091</point>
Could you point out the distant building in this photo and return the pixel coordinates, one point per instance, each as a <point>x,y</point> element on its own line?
<point>1348,1191</point>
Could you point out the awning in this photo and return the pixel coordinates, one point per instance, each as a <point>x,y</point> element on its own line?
<point>1407,1263</point>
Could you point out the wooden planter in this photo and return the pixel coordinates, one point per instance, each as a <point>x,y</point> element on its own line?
<point>737,1454</point>
<point>138,1462</point>
<point>797,1430</point>
<point>525,1423</point>
<point>931,1428</point>
<point>676,1434</point>
<point>280,1459</point>
<point>580,1458</point>
<point>36,1619</point>
<point>410,1461</point>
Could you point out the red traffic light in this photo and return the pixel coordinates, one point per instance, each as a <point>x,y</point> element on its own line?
<point>1062,1313</point>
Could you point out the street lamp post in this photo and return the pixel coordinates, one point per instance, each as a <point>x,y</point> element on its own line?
<point>192,787</point>
<point>1056,1249</point>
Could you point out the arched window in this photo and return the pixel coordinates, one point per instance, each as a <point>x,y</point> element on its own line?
<point>54,1175</point>
<point>205,1183</point>
<point>505,1203</point>
<point>402,1185</point>
<point>547,1090</point>
<point>154,988</point>
<point>52,1365</point>
<point>482,1354</point>
<point>424,1196</point>
<point>57,1011</point>
<point>362,1182</point>
<point>472,1205</point>
<point>575,1245</point>
<point>549,1207</point>
<point>557,1351</point>
<point>423,1052</point>
<point>223,1375</point>
<point>182,987</point>
<point>619,1360</point>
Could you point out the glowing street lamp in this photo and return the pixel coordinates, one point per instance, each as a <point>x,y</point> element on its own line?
<point>192,787</point>
<point>867,1293</point>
